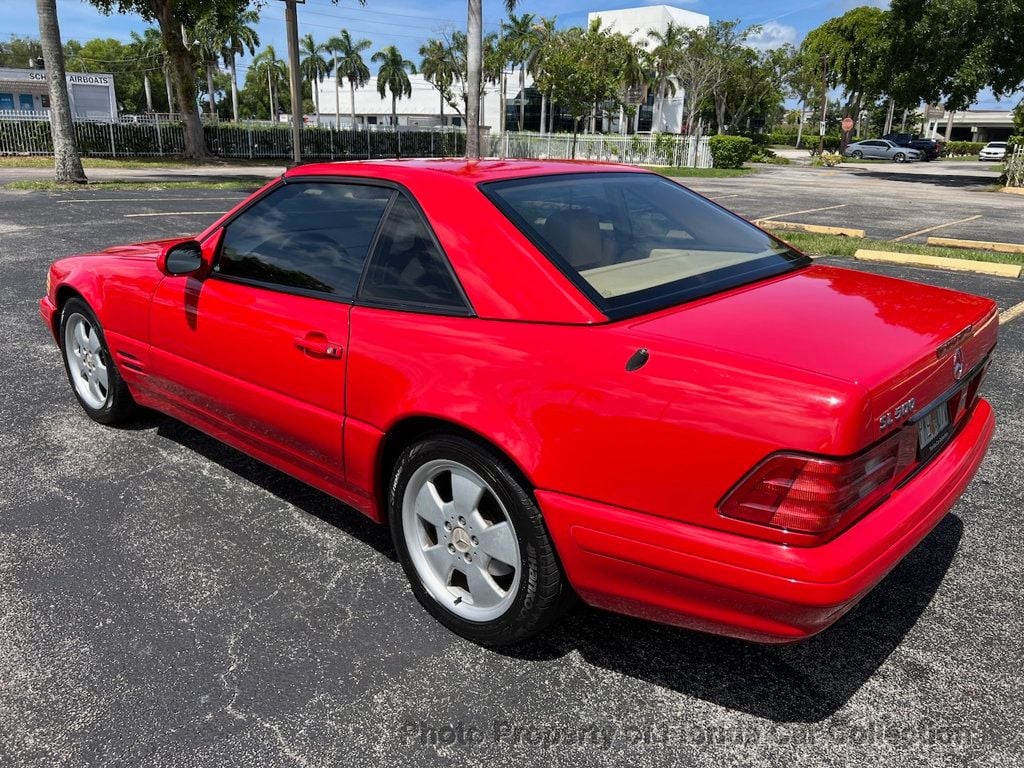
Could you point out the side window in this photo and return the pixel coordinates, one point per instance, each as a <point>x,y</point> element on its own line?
<point>309,235</point>
<point>407,267</point>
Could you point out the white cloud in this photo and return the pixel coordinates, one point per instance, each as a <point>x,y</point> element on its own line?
<point>772,35</point>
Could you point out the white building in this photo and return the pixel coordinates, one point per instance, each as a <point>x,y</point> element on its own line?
<point>970,125</point>
<point>635,23</point>
<point>424,109</point>
<point>26,91</point>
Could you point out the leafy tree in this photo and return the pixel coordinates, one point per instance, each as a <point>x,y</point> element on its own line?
<point>667,59</point>
<point>314,67</point>
<point>148,50</point>
<point>520,40</point>
<point>18,51</point>
<point>439,68</point>
<point>269,71</point>
<point>475,71</point>
<point>237,38</point>
<point>170,15</point>
<point>393,76</point>
<point>349,64</point>
<point>544,33</point>
<point>124,62</point>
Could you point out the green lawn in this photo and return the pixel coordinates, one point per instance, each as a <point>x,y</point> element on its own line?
<point>134,163</point>
<point>705,173</point>
<point>40,185</point>
<point>836,245</point>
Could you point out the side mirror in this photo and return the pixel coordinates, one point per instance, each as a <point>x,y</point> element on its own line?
<point>184,258</point>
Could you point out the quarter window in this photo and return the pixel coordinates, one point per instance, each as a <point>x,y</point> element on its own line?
<point>407,267</point>
<point>306,235</point>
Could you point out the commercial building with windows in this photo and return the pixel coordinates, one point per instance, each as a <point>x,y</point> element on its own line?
<point>25,91</point>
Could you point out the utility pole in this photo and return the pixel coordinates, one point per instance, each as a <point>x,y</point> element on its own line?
<point>291,20</point>
<point>824,104</point>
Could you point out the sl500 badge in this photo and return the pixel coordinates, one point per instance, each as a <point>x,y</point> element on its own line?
<point>897,414</point>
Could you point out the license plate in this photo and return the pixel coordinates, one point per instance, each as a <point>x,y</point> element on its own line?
<point>932,425</point>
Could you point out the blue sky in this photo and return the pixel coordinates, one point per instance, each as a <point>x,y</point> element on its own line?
<point>408,23</point>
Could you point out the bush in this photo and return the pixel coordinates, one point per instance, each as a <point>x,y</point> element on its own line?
<point>963,148</point>
<point>828,159</point>
<point>783,138</point>
<point>729,151</point>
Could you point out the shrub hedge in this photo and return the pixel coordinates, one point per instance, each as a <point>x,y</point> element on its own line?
<point>729,151</point>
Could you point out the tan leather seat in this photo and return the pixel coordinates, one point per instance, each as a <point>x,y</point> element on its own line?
<point>576,236</point>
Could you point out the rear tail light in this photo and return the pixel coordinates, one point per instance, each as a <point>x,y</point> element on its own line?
<point>817,495</point>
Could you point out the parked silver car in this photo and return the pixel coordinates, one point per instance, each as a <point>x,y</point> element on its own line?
<point>882,149</point>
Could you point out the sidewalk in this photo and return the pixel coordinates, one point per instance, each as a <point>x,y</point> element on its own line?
<point>212,172</point>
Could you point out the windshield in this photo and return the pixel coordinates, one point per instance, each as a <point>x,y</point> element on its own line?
<point>634,242</point>
<point>997,144</point>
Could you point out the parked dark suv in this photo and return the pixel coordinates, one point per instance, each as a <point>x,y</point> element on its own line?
<point>930,148</point>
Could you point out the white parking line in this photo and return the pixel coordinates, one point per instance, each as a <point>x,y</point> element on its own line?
<point>172,213</point>
<point>1011,314</point>
<point>145,199</point>
<point>932,229</point>
<point>794,213</point>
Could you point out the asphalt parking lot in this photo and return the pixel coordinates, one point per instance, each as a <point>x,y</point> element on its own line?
<point>909,203</point>
<point>165,600</point>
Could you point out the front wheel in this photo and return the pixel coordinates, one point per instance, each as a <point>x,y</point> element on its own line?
<point>856,154</point>
<point>94,379</point>
<point>899,157</point>
<point>473,543</point>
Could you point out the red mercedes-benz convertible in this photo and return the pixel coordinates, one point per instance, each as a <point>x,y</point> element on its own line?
<point>554,380</point>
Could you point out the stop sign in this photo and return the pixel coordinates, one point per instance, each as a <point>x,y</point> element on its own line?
<point>847,124</point>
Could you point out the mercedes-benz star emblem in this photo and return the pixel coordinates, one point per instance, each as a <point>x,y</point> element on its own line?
<point>958,364</point>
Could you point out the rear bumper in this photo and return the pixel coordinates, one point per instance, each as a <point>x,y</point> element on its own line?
<point>48,311</point>
<point>704,579</point>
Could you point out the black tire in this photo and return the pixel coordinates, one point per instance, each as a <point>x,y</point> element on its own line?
<point>543,593</point>
<point>118,405</point>
<point>899,157</point>
<point>857,154</point>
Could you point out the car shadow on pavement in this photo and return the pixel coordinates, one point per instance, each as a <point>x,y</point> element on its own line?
<point>283,486</point>
<point>956,181</point>
<point>802,682</point>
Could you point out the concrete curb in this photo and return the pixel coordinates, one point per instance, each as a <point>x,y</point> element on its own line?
<point>958,265</point>
<point>817,229</point>
<point>980,245</point>
<point>1013,190</point>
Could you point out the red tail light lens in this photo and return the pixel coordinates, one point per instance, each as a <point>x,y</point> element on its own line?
<point>813,495</point>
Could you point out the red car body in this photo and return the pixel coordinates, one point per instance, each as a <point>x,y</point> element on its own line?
<point>630,468</point>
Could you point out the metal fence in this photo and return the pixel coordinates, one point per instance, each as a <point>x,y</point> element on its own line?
<point>264,140</point>
<point>1015,167</point>
<point>645,149</point>
<point>232,140</point>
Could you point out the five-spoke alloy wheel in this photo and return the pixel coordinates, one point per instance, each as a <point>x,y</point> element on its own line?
<point>473,543</point>
<point>93,376</point>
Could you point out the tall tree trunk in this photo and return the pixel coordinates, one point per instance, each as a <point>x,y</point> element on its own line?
<point>270,96</point>
<point>337,92</point>
<point>66,160</point>
<point>234,87</point>
<point>394,111</point>
<point>522,96</point>
<point>441,93</point>
<point>658,99</point>
<point>543,112</point>
<point>949,124</point>
<point>315,87</point>
<point>800,122</point>
<point>149,91</point>
<point>170,97</point>
<point>720,105</point>
<point>888,117</point>
<point>474,46</point>
<point>903,122</point>
<point>209,89</point>
<point>182,67</point>
<point>352,98</point>
<point>502,105</point>
<point>622,120</point>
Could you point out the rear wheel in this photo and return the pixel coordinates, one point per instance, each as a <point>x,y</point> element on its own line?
<point>473,543</point>
<point>899,157</point>
<point>857,154</point>
<point>94,379</point>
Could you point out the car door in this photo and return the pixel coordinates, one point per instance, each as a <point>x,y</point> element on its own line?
<point>409,315</point>
<point>255,351</point>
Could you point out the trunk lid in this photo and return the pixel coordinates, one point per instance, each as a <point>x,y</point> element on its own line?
<point>904,342</point>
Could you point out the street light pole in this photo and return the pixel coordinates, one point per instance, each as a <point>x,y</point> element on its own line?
<point>824,105</point>
<point>291,19</point>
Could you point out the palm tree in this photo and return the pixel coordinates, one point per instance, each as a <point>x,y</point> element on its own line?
<point>67,162</point>
<point>635,74</point>
<point>147,47</point>
<point>667,53</point>
<point>349,64</point>
<point>313,67</point>
<point>268,65</point>
<point>521,44</point>
<point>238,37</point>
<point>439,68</point>
<point>543,34</point>
<point>393,75</point>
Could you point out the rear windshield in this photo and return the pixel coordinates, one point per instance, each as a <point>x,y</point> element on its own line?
<point>634,242</point>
